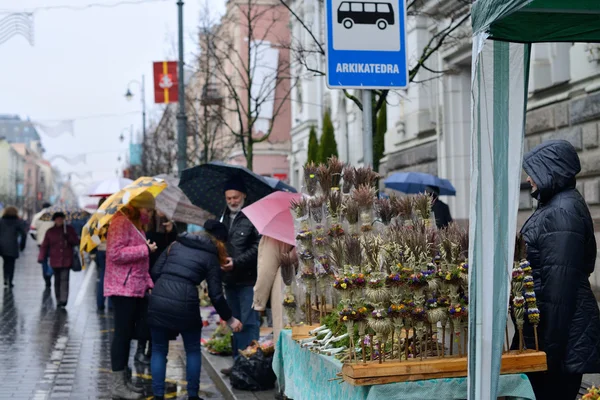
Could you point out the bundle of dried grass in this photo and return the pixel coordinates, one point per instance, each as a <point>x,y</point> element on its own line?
<point>364,195</point>
<point>353,252</point>
<point>365,176</point>
<point>335,203</point>
<point>349,176</point>
<point>422,205</point>
<point>325,179</point>
<point>384,210</point>
<point>335,169</point>
<point>300,207</point>
<point>289,266</point>
<point>351,211</point>
<point>310,178</point>
<point>403,206</point>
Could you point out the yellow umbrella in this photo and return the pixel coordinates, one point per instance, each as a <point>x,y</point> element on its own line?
<point>94,232</point>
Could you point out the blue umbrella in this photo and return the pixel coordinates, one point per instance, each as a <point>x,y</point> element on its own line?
<point>417,182</point>
<point>280,185</point>
<point>204,184</point>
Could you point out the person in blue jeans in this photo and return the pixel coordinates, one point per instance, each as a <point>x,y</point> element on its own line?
<point>240,270</point>
<point>174,305</point>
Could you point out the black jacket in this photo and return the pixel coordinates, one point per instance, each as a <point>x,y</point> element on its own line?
<point>242,246</point>
<point>441,211</point>
<point>174,302</point>
<point>561,248</point>
<point>162,240</point>
<point>11,228</point>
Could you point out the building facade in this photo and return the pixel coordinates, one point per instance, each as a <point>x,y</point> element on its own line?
<point>11,175</point>
<point>252,76</point>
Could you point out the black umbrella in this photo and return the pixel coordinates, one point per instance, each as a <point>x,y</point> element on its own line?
<point>204,184</point>
<point>280,185</point>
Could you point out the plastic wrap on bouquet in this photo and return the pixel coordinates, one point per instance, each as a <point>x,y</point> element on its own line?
<point>290,306</point>
<point>311,182</point>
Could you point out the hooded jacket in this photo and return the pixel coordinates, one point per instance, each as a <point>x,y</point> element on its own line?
<point>174,302</point>
<point>561,249</point>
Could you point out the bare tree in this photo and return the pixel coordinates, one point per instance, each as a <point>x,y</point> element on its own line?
<point>449,31</point>
<point>249,51</point>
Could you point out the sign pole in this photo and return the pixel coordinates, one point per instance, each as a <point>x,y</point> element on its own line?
<point>367,115</point>
<point>181,117</point>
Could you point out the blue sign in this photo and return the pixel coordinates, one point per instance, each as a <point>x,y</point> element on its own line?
<point>366,44</point>
<point>135,154</point>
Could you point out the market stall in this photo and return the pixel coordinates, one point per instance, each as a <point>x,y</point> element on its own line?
<point>503,32</point>
<point>381,296</point>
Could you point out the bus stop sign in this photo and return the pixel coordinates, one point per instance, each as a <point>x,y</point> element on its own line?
<point>366,44</point>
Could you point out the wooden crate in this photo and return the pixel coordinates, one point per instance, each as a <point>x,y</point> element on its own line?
<point>301,331</point>
<point>373,373</point>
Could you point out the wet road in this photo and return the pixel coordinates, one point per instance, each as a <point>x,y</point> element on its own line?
<point>50,353</point>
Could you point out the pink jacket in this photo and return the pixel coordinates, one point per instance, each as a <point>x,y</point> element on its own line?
<point>127,260</point>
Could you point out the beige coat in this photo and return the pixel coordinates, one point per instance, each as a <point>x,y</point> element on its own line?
<point>269,282</point>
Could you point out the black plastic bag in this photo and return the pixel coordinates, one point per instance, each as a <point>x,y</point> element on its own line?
<point>254,373</point>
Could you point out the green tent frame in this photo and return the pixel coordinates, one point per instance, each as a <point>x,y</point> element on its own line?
<point>503,33</point>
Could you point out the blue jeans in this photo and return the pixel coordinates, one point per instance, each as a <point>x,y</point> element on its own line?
<point>240,300</point>
<point>101,265</point>
<point>158,365</point>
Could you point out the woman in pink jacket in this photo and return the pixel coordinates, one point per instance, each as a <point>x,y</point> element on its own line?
<point>126,281</point>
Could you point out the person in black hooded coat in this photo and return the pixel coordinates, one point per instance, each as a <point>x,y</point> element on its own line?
<point>174,305</point>
<point>12,239</point>
<point>561,249</point>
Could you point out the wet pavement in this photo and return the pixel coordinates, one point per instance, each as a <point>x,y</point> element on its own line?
<point>50,353</point>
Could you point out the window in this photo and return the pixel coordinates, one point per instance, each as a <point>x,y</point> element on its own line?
<point>344,7</point>
<point>383,8</point>
<point>370,7</point>
<point>356,7</point>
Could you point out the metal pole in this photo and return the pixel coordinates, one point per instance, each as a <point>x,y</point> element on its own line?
<point>367,115</point>
<point>320,95</point>
<point>143,124</point>
<point>181,118</point>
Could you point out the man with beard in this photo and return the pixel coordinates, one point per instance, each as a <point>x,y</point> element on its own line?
<point>239,272</point>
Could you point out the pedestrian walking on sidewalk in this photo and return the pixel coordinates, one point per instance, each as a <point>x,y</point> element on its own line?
<point>127,280</point>
<point>100,254</point>
<point>162,232</point>
<point>11,229</point>
<point>58,248</point>
<point>175,305</point>
<point>41,227</point>
<point>561,249</point>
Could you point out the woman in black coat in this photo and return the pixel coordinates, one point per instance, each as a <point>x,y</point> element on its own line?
<point>11,229</point>
<point>162,233</point>
<point>175,305</point>
<point>561,249</point>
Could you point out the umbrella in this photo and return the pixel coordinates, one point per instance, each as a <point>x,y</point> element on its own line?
<point>176,206</point>
<point>108,187</point>
<point>94,232</point>
<point>280,185</point>
<point>204,184</point>
<point>72,213</point>
<point>272,217</point>
<point>416,182</point>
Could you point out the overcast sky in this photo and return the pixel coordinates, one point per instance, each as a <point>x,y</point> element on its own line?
<point>79,68</point>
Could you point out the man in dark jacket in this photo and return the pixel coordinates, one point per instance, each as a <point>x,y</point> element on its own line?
<point>561,249</point>
<point>441,211</point>
<point>239,273</point>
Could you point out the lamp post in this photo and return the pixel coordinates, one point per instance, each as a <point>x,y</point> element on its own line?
<point>181,117</point>
<point>129,96</point>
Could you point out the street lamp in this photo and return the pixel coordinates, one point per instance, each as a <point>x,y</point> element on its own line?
<point>129,97</point>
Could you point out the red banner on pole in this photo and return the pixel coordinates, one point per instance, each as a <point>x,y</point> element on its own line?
<point>166,88</point>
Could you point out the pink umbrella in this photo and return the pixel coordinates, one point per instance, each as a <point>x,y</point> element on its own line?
<point>272,217</point>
